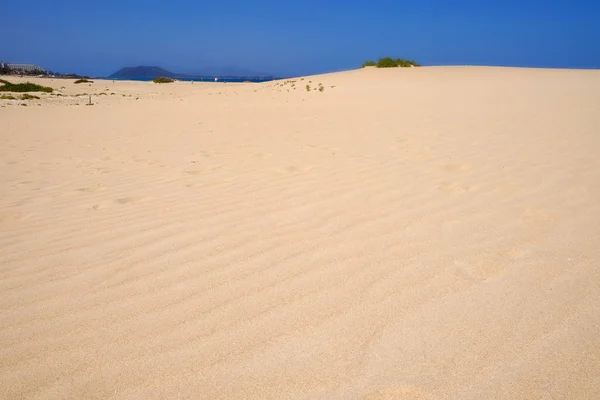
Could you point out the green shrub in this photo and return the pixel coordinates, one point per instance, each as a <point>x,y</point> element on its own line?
<point>406,63</point>
<point>29,97</point>
<point>386,62</point>
<point>308,88</point>
<point>7,97</point>
<point>389,62</point>
<point>83,81</point>
<point>162,79</point>
<point>369,64</point>
<point>321,88</point>
<point>23,87</point>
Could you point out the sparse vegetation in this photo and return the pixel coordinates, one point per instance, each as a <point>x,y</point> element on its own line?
<point>7,97</point>
<point>27,96</point>
<point>308,88</point>
<point>83,81</point>
<point>406,63</point>
<point>162,79</point>
<point>386,62</point>
<point>23,87</point>
<point>321,88</point>
<point>389,62</point>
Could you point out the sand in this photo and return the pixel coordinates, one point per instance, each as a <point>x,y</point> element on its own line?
<point>424,233</point>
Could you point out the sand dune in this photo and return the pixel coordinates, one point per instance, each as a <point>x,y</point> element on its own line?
<point>427,233</point>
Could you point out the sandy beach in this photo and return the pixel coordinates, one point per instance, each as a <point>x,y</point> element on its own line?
<point>407,233</point>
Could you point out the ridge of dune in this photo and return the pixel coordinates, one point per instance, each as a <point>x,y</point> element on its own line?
<point>422,233</point>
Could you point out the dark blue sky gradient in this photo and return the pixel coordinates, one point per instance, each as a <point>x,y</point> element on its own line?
<point>97,37</point>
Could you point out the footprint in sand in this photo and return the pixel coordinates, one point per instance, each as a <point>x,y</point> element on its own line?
<point>292,169</point>
<point>202,170</point>
<point>131,200</point>
<point>99,206</point>
<point>408,392</point>
<point>207,154</point>
<point>105,170</point>
<point>92,189</point>
<point>262,156</point>
<point>23,183</point>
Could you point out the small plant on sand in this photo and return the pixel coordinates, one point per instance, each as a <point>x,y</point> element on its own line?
<point>7,97</point>
<point>308,88</point>
<point>389,62</point>
<point>369,64</point>
<point>162,79</point>
<point>83,81</point>
<point>23,87</point>
<point>406,63</point>
<point>386,62</point>
<point>321,88</point>
<point>27,96</point>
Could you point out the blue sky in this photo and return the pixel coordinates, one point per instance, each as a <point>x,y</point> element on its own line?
<point>97,37</point>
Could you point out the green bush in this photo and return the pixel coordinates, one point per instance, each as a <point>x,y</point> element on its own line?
<point>29,97</point>
<point>83,81</point>
<point>23,87</point>
<point>389,62</point>
<point>162,79</point>
<point>7,97</point>
<point>308,88</point>
<point>406,63</point>
<point>386,62</point>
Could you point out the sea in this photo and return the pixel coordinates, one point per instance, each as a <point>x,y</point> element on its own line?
<point>224,79</point>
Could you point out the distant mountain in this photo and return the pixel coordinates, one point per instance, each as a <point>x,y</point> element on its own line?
<point>141,72</point>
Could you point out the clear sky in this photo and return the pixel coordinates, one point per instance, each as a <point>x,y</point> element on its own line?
<point>287,37</point>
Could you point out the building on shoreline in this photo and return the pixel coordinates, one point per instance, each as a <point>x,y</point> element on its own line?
<point>20,67</point>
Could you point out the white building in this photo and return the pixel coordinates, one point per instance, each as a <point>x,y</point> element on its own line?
<point>21,67</point>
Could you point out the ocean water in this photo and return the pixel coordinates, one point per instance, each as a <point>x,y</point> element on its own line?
<point>207,79</point>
